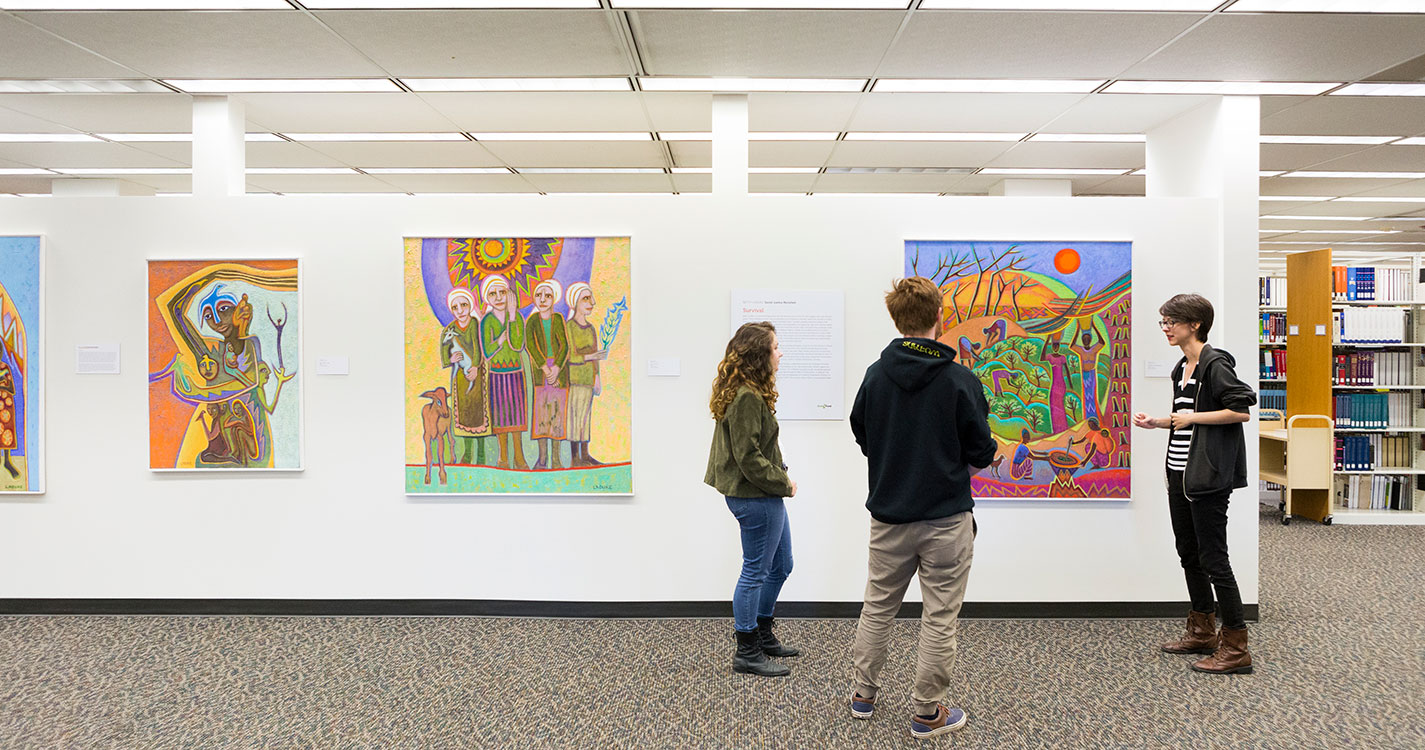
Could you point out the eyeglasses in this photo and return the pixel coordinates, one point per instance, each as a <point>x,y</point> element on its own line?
<point>1167,323</point>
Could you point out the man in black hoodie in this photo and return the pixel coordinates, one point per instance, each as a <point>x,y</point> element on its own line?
<point>921,419</point>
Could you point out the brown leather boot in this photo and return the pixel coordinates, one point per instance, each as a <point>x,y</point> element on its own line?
<point>1199,638</point>
<point>1231,656</point>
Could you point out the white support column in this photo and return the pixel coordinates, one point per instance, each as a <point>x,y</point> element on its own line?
<point>219,147</point>
<point>729,144</point>
<point>1213,152</point>
<point>1034,188</point>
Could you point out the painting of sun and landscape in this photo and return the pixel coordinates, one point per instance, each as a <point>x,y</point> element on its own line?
<point>1046,328</point>
<point>518,366</point>
<point>21,362</point>
<point>224,346</point>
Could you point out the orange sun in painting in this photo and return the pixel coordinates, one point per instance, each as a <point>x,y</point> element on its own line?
<point>1066,261</point>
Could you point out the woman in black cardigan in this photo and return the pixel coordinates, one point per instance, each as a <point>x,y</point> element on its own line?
<point>1207,459</point>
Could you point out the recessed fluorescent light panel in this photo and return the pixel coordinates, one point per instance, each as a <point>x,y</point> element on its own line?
<point>767,136</point>
<point>1296,198</point>
<point>283,85</point>
<point>850,85</point>
<point>8,172</point>
<point>177,137</point>
<point>339,137</point>
<point>982,86</point>
<point>956,137</point>
<point>449,4</point>
<point>125,170</point>
<point>763,4</point>
<point>1410,142</point>
<point>1381,199</point>
<point>1362,175</point>
<point>783,170</point>
<point>1382,89</point>
<point>518,84</point>
<point>146,5</point>
<point>589,170</point>
<point>1089,137</point>
<point>1200,5</point>
<point>899,170</point>
<point>1313,218</point>
<point>1051,171</point>
<point>1327,6</point>
<point>435,170</point>
<point>301,170</point>
<point>17,86</point>
<point>1330,140</point>
<point>46,138</point>
<point>635,136</point>
<point>1219,88</point>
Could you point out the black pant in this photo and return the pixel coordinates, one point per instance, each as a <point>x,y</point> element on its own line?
<point>1200,528</point>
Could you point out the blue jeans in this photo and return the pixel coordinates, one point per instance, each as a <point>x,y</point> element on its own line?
<point>766,557</point>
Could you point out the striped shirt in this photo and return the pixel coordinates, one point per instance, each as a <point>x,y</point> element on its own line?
<point>1181,437</point>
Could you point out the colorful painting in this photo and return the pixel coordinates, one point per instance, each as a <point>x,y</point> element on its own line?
<point>518,366</point>
<point>1046,327</point>
<point>21,366</point>
<point>224,348</point>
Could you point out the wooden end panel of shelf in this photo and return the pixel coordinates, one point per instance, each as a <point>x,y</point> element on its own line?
<point>1308,355</point>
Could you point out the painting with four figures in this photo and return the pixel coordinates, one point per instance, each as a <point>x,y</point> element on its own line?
<point>518,366</point>
<point>1046,328</point>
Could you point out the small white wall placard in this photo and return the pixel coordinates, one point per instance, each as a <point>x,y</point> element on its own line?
<point>96,359</point>
<point>1158,368</point>
<point>811,330</point>
<point>665,367</point>
<point>333,366</point>
<point>1293,330</point>
<point>1321,329</point>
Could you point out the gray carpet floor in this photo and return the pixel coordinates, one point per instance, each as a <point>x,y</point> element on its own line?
<point>1340,653</point>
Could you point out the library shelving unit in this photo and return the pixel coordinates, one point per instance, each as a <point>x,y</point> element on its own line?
<point>1368,372</point>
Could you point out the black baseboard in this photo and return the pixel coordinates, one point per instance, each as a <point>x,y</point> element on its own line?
<point>515,608</point>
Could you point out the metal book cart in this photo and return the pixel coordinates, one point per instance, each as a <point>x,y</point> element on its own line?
<point>1298,455</point>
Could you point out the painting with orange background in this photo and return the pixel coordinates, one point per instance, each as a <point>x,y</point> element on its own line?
<point>1046,328</point>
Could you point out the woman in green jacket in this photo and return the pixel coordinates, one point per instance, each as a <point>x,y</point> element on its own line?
<point>745,465</point>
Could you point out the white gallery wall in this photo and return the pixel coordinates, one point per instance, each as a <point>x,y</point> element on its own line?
<point>109,528</point>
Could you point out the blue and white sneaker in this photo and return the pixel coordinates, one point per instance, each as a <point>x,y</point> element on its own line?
<point>862,708</point>
<point>946,720</point>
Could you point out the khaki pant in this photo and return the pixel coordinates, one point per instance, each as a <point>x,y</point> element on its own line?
<point>940,551</point>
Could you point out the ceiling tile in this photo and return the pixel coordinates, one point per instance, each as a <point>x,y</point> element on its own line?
<point>1380,159</point>
<point>542,111</point>
<point>24,184</point>
<point>1131,185</point>
<point>435,154</point>
<point>781,183</point>
<point>320,183</point>
<point>1285,156</point>
<point>759,153</point>
<point>1337,186</point>
<point>796,112</point>
<point>1286,47</point>
<point>476,43</point>
<point>1123,113</point>
<point>249,44</point>
<point>1028,44</point>
<point>588,154</point>
<point>82,155</point>
<point>459,183</point>
<point>108,113</point>
<point>601,183</point>
<point>903,154</point>
<point>28,52</point>
<point>342,113</point>
<point>291,155</point>
<point>974,113</point>
<point>822,44</point>
<point>1072,155</point>
<point>1350,115</point>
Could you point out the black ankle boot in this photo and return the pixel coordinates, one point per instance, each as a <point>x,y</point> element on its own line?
<point>749,658</point>
<point>770,645</point>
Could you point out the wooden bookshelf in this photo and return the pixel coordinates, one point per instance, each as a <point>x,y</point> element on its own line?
<point>1308,358</point>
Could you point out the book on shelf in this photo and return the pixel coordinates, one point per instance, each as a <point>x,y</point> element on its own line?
<point>1271,329</point>
<point>1272,398</point>
<point>1370,284</point>
<point>1369,325</point>
<point>1273,291</point>
<point>1273,364</point>
<point>1371,368</point>
<point>1371,411</point>
<point>1376,493</point>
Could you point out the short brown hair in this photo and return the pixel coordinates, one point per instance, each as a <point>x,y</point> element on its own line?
<point>1189,309</point>
<point>915,305</point>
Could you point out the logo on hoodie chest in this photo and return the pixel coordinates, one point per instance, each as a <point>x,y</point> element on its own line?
<point>922,348</point>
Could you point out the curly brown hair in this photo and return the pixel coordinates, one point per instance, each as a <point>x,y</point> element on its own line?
<point>747,361</point>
